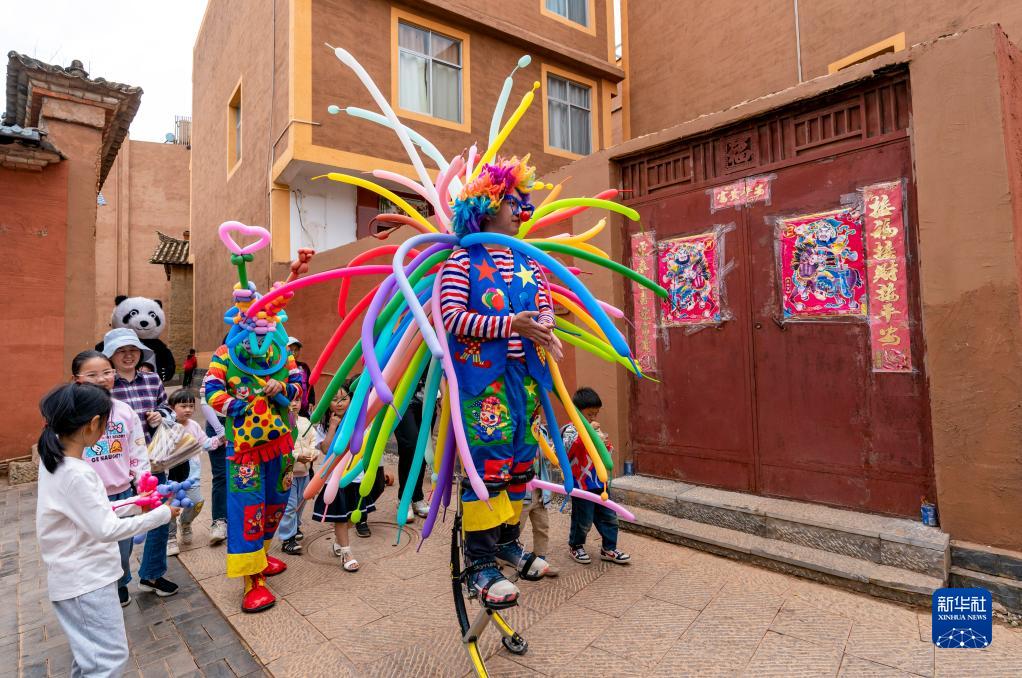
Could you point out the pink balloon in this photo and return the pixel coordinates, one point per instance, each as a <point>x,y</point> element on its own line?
<point>452,386</point>
<point>262,235</point>
<point>312,280</point>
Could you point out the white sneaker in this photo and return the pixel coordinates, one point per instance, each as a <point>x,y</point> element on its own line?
<point>186,533</point>
<point>172,549</point>
<point>411,516</point>
<point>421,508</point>
<point>217,532</point>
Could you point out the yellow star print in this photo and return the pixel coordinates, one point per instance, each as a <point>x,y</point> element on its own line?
<point>526,274</point>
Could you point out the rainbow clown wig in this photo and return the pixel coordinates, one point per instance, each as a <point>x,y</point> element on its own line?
<point>512,180</point>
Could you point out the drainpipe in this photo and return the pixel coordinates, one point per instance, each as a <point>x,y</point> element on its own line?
<point>798,43</point>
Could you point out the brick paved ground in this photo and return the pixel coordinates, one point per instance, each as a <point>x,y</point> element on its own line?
<point>673,612</point>
<point>183,635</point>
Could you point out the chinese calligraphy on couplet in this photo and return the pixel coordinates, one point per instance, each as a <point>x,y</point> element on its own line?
<point>884,226</point>
<point>644,302</point>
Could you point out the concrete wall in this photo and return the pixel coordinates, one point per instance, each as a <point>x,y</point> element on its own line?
<point>33,227</point>
<point>686,59</point>
<point>968,196</point>
<point>179,314</point>
<point>235,42</point>
<point>146,191</point>
<point>491,59</point>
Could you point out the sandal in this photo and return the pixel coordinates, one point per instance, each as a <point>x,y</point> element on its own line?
<point>348,562</point>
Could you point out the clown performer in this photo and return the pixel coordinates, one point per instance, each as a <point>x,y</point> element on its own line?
<point>497,310</point>
<point>251,380</point>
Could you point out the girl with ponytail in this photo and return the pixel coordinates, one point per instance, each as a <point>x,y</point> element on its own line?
<point>78,532</point>
<point>120,457</point>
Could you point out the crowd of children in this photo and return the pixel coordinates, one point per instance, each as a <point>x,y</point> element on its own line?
<point>93,451</point>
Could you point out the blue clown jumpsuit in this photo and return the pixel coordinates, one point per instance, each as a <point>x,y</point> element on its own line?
<point>499,397</point>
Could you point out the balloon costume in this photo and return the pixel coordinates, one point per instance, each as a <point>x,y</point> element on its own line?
<point>445,310</point>
<point>259,438</point>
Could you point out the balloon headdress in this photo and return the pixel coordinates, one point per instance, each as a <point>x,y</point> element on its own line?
<point>403,338</point>
<point>510,180</point>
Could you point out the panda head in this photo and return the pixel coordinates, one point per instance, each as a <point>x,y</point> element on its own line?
<point>141,314</point>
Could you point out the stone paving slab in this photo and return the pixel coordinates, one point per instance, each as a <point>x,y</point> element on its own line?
<point>673,612</point>
<point>182,635</point>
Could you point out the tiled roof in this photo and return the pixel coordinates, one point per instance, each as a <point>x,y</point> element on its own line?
<point>121,100</point>
<point>170,251</point>
<point>26,148</point>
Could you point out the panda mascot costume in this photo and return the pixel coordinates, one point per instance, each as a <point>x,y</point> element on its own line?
<point>145,316</point>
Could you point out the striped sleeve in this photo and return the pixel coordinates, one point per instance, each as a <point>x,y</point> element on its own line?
<point>543,299</point>
<point>295,379</point>
<point>458,320</point>
<point>215,385</point>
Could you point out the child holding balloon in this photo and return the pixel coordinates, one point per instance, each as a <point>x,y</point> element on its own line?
<point>120,456</point>
<point>77,530</point>
<point>339,509</point>
<point>183,403</point>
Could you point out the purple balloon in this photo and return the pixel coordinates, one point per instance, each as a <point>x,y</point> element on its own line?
<point>443,481</point>
<point>369,359</point>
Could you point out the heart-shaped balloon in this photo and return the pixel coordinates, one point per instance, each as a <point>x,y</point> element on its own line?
<point>228,228</point>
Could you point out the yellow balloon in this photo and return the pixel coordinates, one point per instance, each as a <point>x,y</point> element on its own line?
<point>380,190</point>
<point>581,314</point>
<point>553,194</point>
<point>583,432</point>
<point>445,422</point>
<point>491,151</point>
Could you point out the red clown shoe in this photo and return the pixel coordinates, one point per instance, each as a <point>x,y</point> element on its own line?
<point>274,566</point>
<point>257,596</point>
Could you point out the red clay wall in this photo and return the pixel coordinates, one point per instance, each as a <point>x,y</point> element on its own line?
<point>33,229</point>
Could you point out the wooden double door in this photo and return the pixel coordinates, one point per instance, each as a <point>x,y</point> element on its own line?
<point>785,409</point>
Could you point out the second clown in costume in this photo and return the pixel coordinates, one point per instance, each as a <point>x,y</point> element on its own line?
<point>251,380</point>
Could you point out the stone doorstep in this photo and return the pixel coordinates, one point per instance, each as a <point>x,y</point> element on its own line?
<point>986,559</point>
<point>883,540</point>
<point>1007,592</point>
<point>833,568</point>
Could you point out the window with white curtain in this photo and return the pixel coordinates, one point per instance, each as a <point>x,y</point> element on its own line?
<point>429,72</point>
<point>569,115</point>
<point>572,10</point>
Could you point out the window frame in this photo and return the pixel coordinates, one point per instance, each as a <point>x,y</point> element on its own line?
<point>595,103</point>
<point>590,17</point>
<point>235,129</point>
<point>397,17</point>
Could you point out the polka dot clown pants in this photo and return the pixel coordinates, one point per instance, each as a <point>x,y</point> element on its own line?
<point>257,494</point>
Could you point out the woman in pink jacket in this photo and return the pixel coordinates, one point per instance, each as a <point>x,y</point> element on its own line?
<point>120,456</point>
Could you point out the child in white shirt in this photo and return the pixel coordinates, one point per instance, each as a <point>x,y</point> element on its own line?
<point>78,531</point>
<point>120,457</point>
